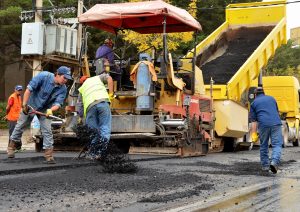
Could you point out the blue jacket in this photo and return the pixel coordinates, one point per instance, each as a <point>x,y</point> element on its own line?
<point>264,110</point>
<point>105,51</point>
<point>44,93</point>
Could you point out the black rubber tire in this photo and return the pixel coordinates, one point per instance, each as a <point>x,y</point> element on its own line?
<point>296,143</point>
<point>39,145</point>
<point>229,145</point>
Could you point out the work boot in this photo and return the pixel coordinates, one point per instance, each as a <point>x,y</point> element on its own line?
<point>264,171</point>
<point>11,149</point>
<point>48,156</point>
<point>274,168</point>
<point>18,145</point>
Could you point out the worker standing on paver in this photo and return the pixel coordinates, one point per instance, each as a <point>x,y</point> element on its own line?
<point>105,61</point>
<point>104,57</point>
<point>106,51</point>
<point>94,105</point>
<point>264,113</point>
<point>13,109</point>
<point>45,93</point>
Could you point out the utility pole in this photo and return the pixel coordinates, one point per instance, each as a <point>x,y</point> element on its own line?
<point>38,17</point>
<point>79,31</point>
<point>72,98</point>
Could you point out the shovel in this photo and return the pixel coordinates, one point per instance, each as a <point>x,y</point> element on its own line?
<point>33,111</point>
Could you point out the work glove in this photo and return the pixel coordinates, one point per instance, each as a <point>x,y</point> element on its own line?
<point>4,118</point>
<point>49,112</point>
<point>79,120</point>
<point>254,137</point>
<point>25,109</point>
<point>111,96</point>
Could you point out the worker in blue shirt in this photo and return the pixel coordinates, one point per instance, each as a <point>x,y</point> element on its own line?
<point>264,113</point>
<point>45,93</point>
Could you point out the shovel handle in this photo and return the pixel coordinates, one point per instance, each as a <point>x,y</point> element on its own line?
<point>44,114</point>
<point>55,117</point>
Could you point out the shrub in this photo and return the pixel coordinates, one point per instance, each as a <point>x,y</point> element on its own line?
<point>3,124</point>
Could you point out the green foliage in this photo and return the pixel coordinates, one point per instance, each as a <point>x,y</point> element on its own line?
<point>210,13</point>
<point>10,29</point>
<point>3,124</point>
<point>24,4</point>
<point>286,61</point>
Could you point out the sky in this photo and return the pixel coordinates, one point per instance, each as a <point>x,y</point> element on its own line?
<point>293,15</point>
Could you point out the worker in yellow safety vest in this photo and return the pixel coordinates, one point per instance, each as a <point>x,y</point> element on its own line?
<point>94,106</point>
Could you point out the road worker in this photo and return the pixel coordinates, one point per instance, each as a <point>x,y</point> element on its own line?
<point>106,51</point>
<point>94,106</point>
<point>264,113</point>
<point>13,109</point>
<point>45,93</point>
<point>105,61</point>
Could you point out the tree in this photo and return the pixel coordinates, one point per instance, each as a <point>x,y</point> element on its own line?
<point>10,31</point>
<point>145,41</point>
<point>286,61</point>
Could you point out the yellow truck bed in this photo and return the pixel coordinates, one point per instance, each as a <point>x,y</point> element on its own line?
<point>285,90</point>
<point>234,54</point>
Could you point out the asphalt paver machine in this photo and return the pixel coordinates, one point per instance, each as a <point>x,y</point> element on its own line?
<point>157,109</point>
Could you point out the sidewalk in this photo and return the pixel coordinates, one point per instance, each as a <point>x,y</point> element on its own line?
<point>25,145</point>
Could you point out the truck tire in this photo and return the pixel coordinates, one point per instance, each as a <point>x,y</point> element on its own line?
<point>296,142</point>
<point>285,134</point>
<point>229,144</point>
<point>39,145</point>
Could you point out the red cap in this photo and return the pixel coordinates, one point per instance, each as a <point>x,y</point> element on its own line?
<point>82,79</point>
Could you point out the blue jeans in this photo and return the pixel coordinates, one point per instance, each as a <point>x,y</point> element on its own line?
<point>99,118</point>
<point>274,133</point>
<point>25,120</point>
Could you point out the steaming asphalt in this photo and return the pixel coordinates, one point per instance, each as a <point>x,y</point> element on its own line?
<point>220,181</point>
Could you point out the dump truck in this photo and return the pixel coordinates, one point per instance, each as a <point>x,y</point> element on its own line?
<point>231,57</point>
<point>285,89</point>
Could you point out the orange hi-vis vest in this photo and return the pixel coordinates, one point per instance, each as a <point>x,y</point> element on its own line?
<point>15,109</point>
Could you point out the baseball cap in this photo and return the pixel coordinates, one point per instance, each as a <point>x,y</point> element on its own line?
<point>66,71</point>
<point>259,90</point>
<point>108,41</point>
<point>19,88</point>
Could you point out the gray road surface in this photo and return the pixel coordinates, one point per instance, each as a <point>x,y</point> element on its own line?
<point>221,181</point>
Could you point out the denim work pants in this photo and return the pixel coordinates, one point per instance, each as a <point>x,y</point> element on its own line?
<point>99,118</point>
<point>25,120</point>
<point>274,133</point>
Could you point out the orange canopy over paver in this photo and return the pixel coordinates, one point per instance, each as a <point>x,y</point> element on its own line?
<point>142,17</point>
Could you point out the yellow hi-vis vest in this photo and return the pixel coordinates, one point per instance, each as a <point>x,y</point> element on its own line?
<point>92,90</point>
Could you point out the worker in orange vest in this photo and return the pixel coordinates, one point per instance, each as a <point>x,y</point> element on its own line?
<point>13,108</point>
